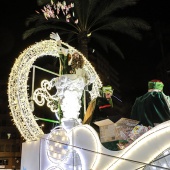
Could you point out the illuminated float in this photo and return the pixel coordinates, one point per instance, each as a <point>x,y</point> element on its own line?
<point>71,145</point>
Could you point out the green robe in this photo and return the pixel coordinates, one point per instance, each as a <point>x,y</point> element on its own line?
<point>152,107</point>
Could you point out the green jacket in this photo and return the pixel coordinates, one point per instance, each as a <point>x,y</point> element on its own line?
<point>152,107</point>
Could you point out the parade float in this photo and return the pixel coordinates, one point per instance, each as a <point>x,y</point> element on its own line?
<point>72,144</point>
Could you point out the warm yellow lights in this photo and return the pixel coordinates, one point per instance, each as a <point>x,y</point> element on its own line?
<point>63,152</point>
<point>93,155</point>
<point>87,146</point>
<point>51,148</point>
<point>60,147</point>
<point>55,155</point>
<point>18,88</point>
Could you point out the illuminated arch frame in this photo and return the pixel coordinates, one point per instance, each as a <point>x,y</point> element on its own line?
<point>18,88</point>
<point>29,129</point>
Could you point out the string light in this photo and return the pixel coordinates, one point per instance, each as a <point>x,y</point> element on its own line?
<point>124,160</point>
<point>17,84</point>
<point>25,121</point>
<point>102,157</point>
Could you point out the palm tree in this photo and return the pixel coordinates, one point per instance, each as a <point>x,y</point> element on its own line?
<point>88,22</point>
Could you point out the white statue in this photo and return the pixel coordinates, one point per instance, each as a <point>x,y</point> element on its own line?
<point>70,87</point>
<point>69,90</point>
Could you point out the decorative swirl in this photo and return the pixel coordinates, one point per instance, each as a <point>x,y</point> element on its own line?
<point>41,95</point>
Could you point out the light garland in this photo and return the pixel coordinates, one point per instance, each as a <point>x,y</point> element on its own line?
<point>17,84</point>
<point>138,154</point>
<point>25,121</point>
<point>63,148</point>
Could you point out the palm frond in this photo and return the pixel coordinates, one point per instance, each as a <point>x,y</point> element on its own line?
<point>35,30</point>
<point>70,38</point>
<point>90,8</point>
<point>78,12</point>
<point>35,18</point>
<point>107,43</point>
<point>128,26</point>
<point>107,7</point>
<point>42,2</point>
<point>41,28</point>
<point>100,18</point>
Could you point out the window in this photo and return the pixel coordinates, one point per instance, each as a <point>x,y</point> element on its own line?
<point>2,148</point>
<point>16,148</point>
<point>3,135</point>
<point>3,161</point>
<point>7,148</point>
<point>13,148</point>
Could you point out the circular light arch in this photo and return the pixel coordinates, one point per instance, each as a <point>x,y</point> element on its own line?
<point>18,84</point>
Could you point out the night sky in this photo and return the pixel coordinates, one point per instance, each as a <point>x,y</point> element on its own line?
<point>141,57</point>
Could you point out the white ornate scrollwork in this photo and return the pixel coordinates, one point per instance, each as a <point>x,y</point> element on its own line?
<point>41,95</point>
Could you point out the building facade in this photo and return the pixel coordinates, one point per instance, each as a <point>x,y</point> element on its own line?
<point>10,138</point>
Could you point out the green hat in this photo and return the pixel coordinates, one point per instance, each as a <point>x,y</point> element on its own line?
<point>107,89</point>
<point>155,84</point>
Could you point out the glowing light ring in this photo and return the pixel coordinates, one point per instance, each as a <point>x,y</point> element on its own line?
<point>17,85</point>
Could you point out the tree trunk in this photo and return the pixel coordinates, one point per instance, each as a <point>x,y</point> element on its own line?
<point>83,43</point>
